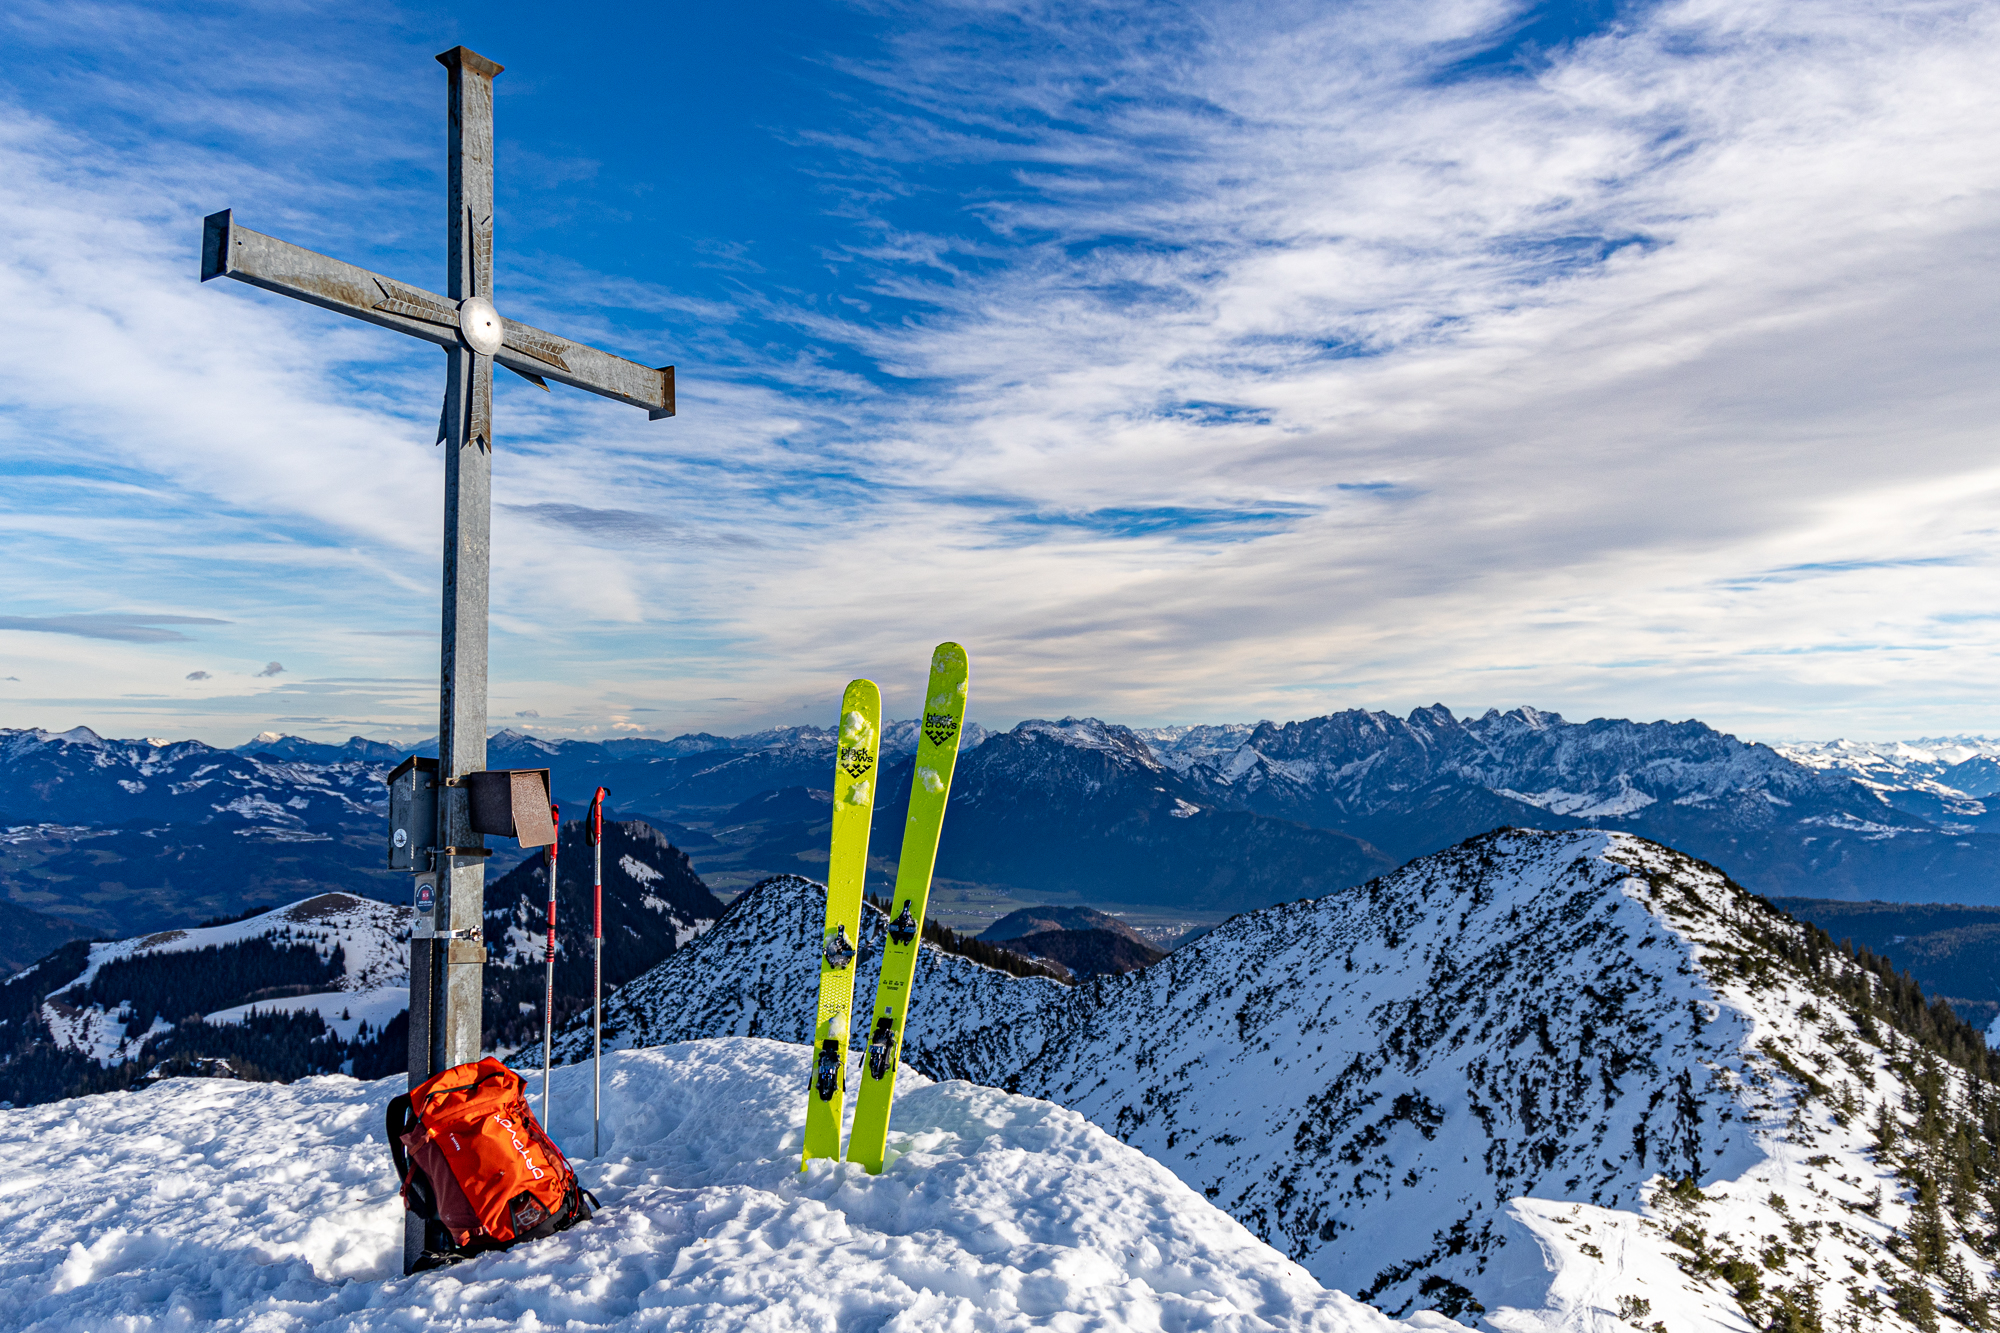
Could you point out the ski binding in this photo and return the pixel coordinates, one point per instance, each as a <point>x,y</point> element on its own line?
<point>878,1047</point>
<point>826,1071</point>
<point>838,952</point>
<point>904,928</point>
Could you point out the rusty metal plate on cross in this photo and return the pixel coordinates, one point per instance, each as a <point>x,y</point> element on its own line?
<point>512,803</point>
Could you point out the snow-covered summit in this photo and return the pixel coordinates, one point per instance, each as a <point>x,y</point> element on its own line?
<point>1579,1018</point>
<point>371,939</point>
<point>1180,746</point>
<point>234,1207</point>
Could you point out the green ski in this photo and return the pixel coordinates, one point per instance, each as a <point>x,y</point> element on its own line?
<point>854,781</point>
<point>930,787</point>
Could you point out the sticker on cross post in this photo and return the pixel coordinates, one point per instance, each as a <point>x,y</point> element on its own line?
<point>424,925</point>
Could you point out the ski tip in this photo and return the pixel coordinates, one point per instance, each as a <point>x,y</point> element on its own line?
<point>948,656</point>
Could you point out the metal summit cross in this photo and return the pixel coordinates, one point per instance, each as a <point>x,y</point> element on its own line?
<point>445,1000</point>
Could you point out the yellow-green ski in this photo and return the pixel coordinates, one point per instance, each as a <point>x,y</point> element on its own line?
<point>854,783</point>
<point>930,787</point>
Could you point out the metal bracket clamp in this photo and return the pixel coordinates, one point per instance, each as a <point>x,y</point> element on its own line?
<point>472,934</point>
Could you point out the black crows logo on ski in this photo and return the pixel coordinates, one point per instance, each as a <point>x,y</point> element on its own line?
<point>856,760</point>
<point>940,727</point>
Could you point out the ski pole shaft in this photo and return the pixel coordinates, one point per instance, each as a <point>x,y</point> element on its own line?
<point>596,834</point>
<point>549,989</point>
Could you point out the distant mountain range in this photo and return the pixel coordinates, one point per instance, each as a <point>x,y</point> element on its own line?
<point>112,835</point>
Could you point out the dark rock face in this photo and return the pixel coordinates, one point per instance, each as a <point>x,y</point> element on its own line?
<point>654,903</point>
<point>1047,917</point>
<point>1089,953</point>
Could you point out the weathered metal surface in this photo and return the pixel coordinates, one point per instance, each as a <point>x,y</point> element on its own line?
<point>231,250</point>
<point>512,803</point>
<point>412,814</point>
<point>531,351</point>
<point>468,539</point>
<point>446,967</point>
<point>332,284</point>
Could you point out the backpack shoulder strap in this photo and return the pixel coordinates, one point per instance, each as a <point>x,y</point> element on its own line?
<point>401,1120</point>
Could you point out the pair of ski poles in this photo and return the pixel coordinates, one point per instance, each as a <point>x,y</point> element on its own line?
<point>593,834</point>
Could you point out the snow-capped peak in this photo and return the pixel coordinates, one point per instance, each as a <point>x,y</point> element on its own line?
<point>1089,733</point>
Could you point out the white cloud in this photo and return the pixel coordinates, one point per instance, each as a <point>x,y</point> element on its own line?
<point>1269,367</point>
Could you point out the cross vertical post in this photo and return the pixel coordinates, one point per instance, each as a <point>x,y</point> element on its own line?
<point>447,949</point>
<point>468,493</point>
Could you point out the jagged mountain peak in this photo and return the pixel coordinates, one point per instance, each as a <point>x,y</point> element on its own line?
<point>1089,733</point>
<point>1524,718</point>
<point>900,737</point>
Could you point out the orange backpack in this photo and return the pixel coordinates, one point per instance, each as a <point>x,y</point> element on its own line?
<point>476,1166</point>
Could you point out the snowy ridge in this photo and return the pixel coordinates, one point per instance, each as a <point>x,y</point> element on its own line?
<point>373,938</point>
<point>746,975</point>
<point>232,1207</point>
<point>1579,1018</point>
<point>1180,747</point>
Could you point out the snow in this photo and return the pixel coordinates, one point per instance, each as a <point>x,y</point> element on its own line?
<point>372,936</point>
<point>1870,831</point>
<point>639,870</point>
<point>1180,747</point>
<point>220,1205</point>
<point>745,972</point>
<point>1621,801</point>
<point>1561,1013</point>
<point>1921,767</point>
<point>373,1007</point>
<point>529,944</point>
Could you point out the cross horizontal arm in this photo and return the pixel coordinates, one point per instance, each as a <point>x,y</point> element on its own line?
<point>532,352</point>
<point>231,250</point>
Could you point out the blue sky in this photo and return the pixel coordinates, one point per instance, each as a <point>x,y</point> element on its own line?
<point>1188,363</point>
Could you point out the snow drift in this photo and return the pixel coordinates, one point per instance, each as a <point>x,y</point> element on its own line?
<point>234,1206</point>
